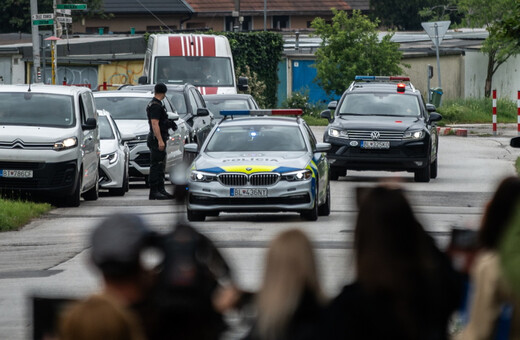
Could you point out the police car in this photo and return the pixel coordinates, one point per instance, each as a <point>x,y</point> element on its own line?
<point>382,123</point>
<point>259,160</point>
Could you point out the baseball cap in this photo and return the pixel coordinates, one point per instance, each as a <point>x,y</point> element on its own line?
<point>160,88</point>
<point>117,243</point>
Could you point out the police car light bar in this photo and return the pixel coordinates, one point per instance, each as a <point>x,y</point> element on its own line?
<point>261,112</point>
<point>382,78</point>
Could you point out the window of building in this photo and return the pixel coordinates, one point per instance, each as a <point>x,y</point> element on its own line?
<point>247,24</point>
<point>280,22</point>
<point>97,30</point>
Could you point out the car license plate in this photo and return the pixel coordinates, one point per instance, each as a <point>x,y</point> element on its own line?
<point>233,192</point>
<point>371,144</point>
<point>16,173</point>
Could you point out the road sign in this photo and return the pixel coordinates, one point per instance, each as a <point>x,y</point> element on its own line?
<point>43,16</point>
<point>64,11</point>
<point>71,6</point>
<point>43,22</point>
<point>64,20</point>
<point>436,30</point>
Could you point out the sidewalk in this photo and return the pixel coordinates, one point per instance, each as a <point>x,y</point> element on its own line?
<point>479,130</point>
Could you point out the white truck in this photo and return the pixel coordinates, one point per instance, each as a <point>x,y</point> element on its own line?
<point>199,59</point>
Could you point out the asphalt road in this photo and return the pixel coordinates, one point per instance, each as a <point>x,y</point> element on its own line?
<point>49,257</point>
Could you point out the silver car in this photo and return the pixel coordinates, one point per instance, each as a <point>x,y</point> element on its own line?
<point>129,112</point>
<point>219,102</point>
<point>113,172</point>
<point>260,163</point>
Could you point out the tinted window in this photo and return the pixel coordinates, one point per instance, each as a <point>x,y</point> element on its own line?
<point>37,109</point>
<point>256,138</point>
<point>124,107</point>
<point>177,99</point>
<point>389,104</point>
<point>105,130</point>
<point>200,71</point>
<point>216,105</point>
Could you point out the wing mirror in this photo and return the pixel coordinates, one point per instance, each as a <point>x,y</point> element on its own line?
<point>435,117</point>
<point>243,83</point>
<point>90,124</point>
<point>191,147</point>
<point>143,80</point>
<point>323,147</point>
<point>326,114</point>
<point>202,112</point>
<point>430,107</point>
<point>173,115</point>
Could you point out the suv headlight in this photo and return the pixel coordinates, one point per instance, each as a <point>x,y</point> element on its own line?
<point>65,144</point>
<point>141,138</point>
<point>200,176</point>
<point>338,133</point>
<point>112,157</point>
<point>300,175</point>
<point>414,134</point>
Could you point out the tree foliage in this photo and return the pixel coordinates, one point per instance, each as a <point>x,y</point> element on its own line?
<point>351,46</point>
<point>510,24</point>
<point>15,15</point>
<point>499,47</point>
<point>402,15</point>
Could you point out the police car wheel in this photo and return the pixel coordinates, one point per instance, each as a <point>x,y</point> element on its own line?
<point>324,209</point>
<point>195,216</point>
<point>312,214</point>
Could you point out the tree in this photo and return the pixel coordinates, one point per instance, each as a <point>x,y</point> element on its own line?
<point>499,47</point>
<point>15,15</point>
<point>510,24</point>
<point>402,15</point>
<point>350,46</point>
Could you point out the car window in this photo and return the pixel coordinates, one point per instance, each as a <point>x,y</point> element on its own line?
<point>177,99</point>
<point>216,105</point>
<point>193,103</point>
<point>202,71</point>
<point>105,130</point>
<point>88,103</point>
<point>124,107</point>
<point>37,109</point>
<point>256,138</point>
<point>312,138</point>
<point>385,104</point>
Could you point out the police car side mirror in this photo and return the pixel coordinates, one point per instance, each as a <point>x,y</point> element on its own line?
<point>326,114</point>
<point>434,117</point>
<point>242,83</point>
<point>143,80</point>
<point>431,108</point>
<point>90,124</point>
<point>173,115</point>
<point>191,147</point>
<point>323,147</point>
<point>515,142</point>
<point>202,112</point>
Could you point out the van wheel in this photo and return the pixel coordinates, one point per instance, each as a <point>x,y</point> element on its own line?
<point>93,193</point>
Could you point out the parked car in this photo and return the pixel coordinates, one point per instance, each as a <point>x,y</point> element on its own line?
<point>259,163</point>
<point>219,102</point>
<point>382,123</point>
<point>190,106</point>
<point>128,109</point>
<point>49,143</point>
<point>115,155</point>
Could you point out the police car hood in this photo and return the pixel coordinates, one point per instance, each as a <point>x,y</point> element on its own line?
<point>133,126</point>
<point>34,134</point>
<point>218,162</point>
<point>391,123</point>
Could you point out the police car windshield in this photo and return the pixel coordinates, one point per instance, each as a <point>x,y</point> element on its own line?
<point>36,109</point>
<point>256,138</point>
<point>380,104</point>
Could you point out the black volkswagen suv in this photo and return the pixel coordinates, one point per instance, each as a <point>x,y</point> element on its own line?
<point>382,123</point>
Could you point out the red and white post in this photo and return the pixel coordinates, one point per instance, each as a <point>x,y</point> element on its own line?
<point>494,112</point>
<point>518,106</point>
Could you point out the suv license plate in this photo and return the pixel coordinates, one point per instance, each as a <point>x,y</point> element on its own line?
<point>370,144</point>
<point>247,192</point>
<point>16,173</point>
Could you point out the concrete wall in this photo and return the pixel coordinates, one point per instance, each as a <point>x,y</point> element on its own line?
<point>506,79</point>
<point>452,74</point>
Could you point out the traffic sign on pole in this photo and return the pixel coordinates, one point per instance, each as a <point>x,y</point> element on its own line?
<point>64,11</point>
<point>64,20</point>
<point>43,16</point>
<point>436,30</point>
<point>71,6</point>
<point>43,22</point>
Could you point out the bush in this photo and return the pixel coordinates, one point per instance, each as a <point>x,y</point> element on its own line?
<point>300,100</point>
<point>477,110</point>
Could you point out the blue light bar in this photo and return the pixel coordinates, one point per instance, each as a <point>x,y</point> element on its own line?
<point>365,78</point>
<point>235,112</point>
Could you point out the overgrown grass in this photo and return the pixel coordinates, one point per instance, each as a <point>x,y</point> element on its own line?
<point>517,165</point>
<point>475,111</point>
<point>16,213</point>
<point>315,120</point>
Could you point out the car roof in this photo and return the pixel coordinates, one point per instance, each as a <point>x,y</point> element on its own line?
<point>150,87</point>
<point>227,96</point>
<point>381,86</point>
<point>44,88</point>
<point>122,93</point>
<point>257,120</point>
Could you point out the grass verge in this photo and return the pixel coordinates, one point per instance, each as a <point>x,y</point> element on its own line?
<point>517,165</point>
<point>475,111</point>
<point>15,213</point>
<point>315,121</point>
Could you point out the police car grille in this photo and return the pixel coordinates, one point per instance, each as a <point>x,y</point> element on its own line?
<point>264,179</point>
<point>383,135</point>
<point>233,179</point>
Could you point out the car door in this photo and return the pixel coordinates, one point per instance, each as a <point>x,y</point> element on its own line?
<point>201,124</point>
<point>320,161</point>
<point>90,143</point>
<point>175,143</point>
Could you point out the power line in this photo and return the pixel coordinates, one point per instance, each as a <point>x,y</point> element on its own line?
<point>162,22</point>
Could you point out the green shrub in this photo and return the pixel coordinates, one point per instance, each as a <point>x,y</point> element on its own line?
<point>477,110</point>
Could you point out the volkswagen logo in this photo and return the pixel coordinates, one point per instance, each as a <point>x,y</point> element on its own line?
<point>375,135</point>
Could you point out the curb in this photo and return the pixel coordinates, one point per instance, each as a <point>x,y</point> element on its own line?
<point>452,131</point>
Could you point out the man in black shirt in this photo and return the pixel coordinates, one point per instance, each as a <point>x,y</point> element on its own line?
<point>157,137</point>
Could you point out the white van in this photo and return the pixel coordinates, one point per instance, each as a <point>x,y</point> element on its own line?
<point>49,142</point>
<point>199,59</point>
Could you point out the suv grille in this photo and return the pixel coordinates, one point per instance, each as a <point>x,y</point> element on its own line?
<point>257,179</point>
<point>384,135</point>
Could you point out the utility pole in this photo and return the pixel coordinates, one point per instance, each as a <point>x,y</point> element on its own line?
<point>54,54</point>
<point>36,72</point>
<point>265,15</point>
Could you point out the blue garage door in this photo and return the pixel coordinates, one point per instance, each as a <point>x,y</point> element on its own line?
<point>303,75</point>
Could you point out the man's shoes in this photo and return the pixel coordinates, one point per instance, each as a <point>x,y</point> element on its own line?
<point>166,193</point>
<point>157,195</point>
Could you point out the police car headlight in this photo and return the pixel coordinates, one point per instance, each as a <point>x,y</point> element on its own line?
<point>200,176</point>
<point>300,175</point>
<point>414,134</point>
<point>65,144</point>
<point>338,133</point>
<point>112,157</point>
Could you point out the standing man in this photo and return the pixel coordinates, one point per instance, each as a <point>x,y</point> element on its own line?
<point>159,125</point>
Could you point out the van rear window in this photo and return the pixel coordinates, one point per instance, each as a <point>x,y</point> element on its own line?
<point>37,109</point>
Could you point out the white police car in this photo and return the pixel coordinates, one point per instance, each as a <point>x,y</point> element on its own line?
<point>253,161</point>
